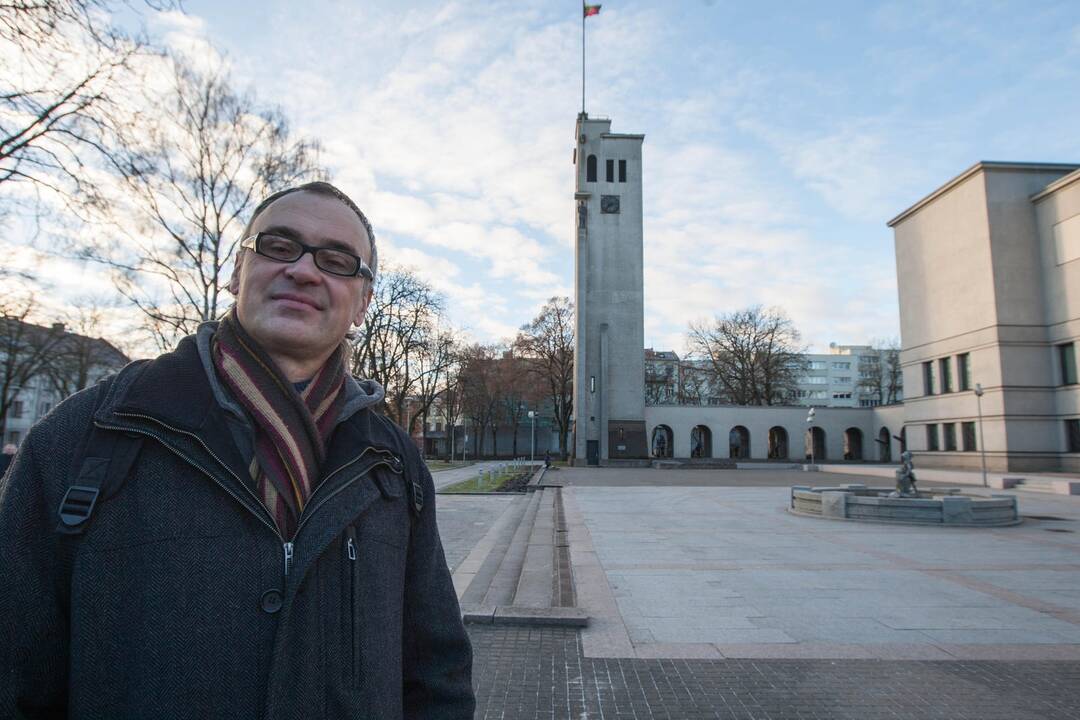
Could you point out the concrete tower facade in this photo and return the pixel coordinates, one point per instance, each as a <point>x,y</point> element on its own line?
<point>609,362</point>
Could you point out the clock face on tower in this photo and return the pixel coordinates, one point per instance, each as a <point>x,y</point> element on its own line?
<point>609,204</point>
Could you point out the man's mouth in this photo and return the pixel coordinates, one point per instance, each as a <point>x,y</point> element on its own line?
<point>300,299</point>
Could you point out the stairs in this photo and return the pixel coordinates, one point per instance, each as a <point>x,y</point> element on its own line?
<point>527,579</point>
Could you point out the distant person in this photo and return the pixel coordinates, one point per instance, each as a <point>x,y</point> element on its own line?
<point>6,456</point>
<point>271,550</point>
<point>547,458</point>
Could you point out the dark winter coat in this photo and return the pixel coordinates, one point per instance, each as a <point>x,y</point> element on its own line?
<point>176,602</point>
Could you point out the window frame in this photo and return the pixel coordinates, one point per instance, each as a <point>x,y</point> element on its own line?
<point>963,371</point>
<point>945,375</point>
<point>1067,361</point>
<point>933,442</point>
<point>948,432</point>
<point>973,446</point>
<point>928,377</point>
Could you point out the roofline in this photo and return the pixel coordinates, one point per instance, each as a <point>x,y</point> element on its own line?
<point>1056,185</point>
<point>621,136</point>
<point>980,166</point>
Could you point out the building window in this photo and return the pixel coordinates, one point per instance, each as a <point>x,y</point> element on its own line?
<point>17,409</point>
<point>841,366</point>
<point>841,396</point>
<point>1067,355</point>
<point>968,432</point>
<point>963,370</point>
<point>932,437</point>
<point>609,166</point>
<point>950,436</point>
<point>816,380</point>
<point>13,437</point>
<point>1072,435</point>
<point>622,171</point>
<point>843,380</point>
<point>946,375</point>
<point>816,365</point>
<point>45,408</point>
<point>928,377</point>
<point>590,169</point>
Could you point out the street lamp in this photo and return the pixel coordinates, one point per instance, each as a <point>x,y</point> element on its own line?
<point>982,446</point>
<point>809,420</point>
<point>532,444</point>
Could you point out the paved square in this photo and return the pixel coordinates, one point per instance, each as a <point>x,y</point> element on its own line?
<point>699,570</point>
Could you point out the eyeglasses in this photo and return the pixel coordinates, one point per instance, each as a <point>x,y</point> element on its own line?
<point>287,250</point>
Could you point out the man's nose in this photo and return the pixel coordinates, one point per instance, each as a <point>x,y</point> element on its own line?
<point>303,270</point>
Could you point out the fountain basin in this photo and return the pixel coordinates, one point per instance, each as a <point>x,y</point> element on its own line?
<point>947,507</point>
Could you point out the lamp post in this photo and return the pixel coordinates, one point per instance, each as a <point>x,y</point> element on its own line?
<point>982,445</point>
<point>810,429</point>
<point>532,443</point>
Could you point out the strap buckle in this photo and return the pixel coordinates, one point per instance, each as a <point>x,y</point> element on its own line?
<point>77,505</point>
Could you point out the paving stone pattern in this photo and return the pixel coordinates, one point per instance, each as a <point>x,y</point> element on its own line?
<point>536,672</point>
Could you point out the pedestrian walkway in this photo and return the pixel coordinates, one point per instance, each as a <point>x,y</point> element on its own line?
<point>444,478</point>
<point>707,599</point>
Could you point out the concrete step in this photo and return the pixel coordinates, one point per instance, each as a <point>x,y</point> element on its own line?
<point>508,525</point>
<point>530,581</point>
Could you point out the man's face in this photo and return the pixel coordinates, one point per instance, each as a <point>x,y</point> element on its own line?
<point>295,309</point>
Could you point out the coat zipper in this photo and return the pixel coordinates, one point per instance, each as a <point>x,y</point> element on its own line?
<point>350,548</point>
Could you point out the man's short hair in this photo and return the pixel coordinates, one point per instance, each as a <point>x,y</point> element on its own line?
<point>321,188</point>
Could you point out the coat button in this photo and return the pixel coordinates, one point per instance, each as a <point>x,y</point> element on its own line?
<point>271,601</point>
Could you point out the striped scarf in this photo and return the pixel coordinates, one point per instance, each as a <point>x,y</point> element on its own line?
<point>291,428</point>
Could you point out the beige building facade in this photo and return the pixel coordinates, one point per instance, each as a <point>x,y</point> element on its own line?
<point>988,269</point>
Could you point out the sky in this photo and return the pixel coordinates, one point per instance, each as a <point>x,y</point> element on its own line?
<point>779,137</point>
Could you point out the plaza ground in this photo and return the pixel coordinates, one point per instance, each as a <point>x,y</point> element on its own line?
<point>708,599</point>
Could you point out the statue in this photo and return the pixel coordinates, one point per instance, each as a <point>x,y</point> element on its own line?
<point>905,477</point>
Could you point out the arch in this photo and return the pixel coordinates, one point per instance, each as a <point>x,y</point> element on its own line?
<point>884,441</point>
<point>590,169</point>
<point>816,436</point>
<point>739,443</point>
<point>701,442</point>
<point>662,442</point>
<point>853,444</point>
<point>778,443</point>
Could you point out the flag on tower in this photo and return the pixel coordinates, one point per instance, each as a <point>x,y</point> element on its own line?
<point>592,10</point>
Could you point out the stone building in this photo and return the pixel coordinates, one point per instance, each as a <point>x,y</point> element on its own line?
<point>988,267</point>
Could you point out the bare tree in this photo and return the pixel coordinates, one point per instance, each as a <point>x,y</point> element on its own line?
<point>450,403</point>
<point>547,345</point>
<point>401,342</point>
<point>25,349</point>
<point>65,63</point>
<point>187,182</point>
<point>479,399</point>
<point>753,355</point>
<point>433,362</point>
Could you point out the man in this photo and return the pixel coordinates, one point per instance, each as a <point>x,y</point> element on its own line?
<point>272,551</point>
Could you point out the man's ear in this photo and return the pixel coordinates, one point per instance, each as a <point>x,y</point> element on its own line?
<point>234,281</point>
<point>365,301</point>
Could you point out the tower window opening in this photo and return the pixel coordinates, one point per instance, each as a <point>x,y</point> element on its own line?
<point>610,167</point>
<point>622,171</point>
<point>590,169</point>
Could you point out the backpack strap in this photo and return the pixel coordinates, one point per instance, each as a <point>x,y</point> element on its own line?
<point>103,463</point>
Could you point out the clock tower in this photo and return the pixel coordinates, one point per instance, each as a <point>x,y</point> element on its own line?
<point>609,360</point>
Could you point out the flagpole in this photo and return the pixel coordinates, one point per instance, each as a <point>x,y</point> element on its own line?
<point>582,57</point>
